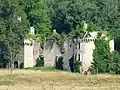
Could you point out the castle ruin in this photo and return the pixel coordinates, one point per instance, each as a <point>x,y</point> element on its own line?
<point>71,49</point>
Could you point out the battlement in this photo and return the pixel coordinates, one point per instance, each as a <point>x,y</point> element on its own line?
<point>86,40</point>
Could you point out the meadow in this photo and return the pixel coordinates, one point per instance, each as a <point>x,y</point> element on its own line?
<point>56,80</point>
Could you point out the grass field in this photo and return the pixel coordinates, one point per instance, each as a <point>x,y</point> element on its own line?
<point>51,80</point>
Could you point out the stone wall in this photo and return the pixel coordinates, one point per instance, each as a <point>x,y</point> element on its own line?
<point>51,50</point>
<point>28,53</point>
<point>31,52</point>
<point>82,48</point>
<point>68,46</point>
<point>85,48</point>
<point>36,51</point>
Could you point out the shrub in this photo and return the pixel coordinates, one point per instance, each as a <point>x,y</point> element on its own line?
<point>101,56</point>
<point>40,61</point>
<point>77,65</point>
<point>21,65</point>
<point>59,63</point>
<point>104,60</point>
<point>114,63</point>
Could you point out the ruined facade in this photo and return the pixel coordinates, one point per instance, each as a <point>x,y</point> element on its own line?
<point>74,49</point>
<point>50,52</point>
<point>70,50</point>
<point>84,52</point>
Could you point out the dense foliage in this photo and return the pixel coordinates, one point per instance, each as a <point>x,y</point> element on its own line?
<point>104,60</point>
<point>13,27</point>
<point>38,17</point>
<point>66,14</point>
<point>40,61</point>
<point>59,63</point>
<point>101,55</point>
<point>114,63</point>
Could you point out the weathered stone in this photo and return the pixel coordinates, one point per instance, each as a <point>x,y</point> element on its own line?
<point>68,45</point>
<point>31,52</point>
<point>51,50</point>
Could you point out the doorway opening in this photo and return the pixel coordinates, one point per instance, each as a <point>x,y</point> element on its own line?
<point>15,64</point>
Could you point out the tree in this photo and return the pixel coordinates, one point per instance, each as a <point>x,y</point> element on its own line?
<point>39,17</point>
<point>67,14</point>
<point>101,56</point>
<point>14,29</point>
<point>114,63</point>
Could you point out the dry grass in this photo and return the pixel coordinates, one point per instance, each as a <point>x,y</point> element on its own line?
<point>38,80</point>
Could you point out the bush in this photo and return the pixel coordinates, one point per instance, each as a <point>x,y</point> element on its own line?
<point>101,56</point>
<point>40,61</point>
<point>114,63</point>
<point>104,60</point>
<point>77,66</point>
<point>21,65</point>
<point>59,63</point>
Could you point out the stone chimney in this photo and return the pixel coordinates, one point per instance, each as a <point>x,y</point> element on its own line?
<point>32,30</point>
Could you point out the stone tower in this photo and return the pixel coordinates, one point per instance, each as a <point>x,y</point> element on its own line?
<point>31,50</point>
<point>84,52</point>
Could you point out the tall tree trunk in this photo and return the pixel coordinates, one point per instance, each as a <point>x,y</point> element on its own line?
<point>11,64</point>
